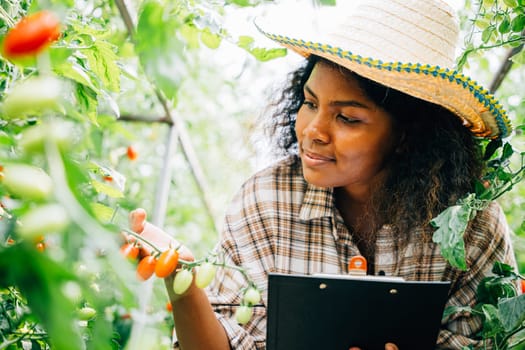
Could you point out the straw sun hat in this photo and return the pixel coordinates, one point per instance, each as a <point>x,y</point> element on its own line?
<point>408,45</point>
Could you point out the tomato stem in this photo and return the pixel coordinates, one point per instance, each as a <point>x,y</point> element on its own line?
<point>142,239</point>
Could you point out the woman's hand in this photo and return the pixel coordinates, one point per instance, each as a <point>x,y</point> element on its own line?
<point>388,346</point>
<point>139,224</point>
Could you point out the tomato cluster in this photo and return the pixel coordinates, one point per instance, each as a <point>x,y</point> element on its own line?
<point>165,263</point>
<point>251,297</point>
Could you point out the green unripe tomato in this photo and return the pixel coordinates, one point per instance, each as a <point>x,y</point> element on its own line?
<point>34,138</point>
<point>86,313</point>
<point>182,281</point>
<point>205,274</point>
<point>252,296</point>
<point>27,181</point>
<point>33,96</point>
<point>41,220</point>
<point>243,314</point>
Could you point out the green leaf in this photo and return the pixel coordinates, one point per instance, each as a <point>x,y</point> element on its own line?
<point>327,2</point>
<point>261,54</point>
<point>242,3</point>
<point>451,310</point>
<point>108,190</point>
<point>504,26</point>
<point>511,3</point>
<point>512,312</point>
<point>519,58</point>
<point>503,269</point>
<point>88,103</point>
<point>487,34</point>
<point>507,151</point>
<point>491,148</point>
<point>518,23</point>
<point>102,212</point>
<point>491,289</point>
<point>210,39</point>
<point>40,281</point>
<point>451,225</point>
<point>492,324</point>
<point>102,61</point>
<point>160,50</point>
<point>76,73</point>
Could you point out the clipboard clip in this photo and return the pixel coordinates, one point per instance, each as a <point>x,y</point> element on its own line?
<point>357,266</point>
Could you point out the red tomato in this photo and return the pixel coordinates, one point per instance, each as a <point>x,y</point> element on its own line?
<point>169,307</point>
<point>32,34</point>
<point>146,267</point>
<point>167,263</point>
<point>132,153</point>
<point>523,286</point>
<point>130,251</point>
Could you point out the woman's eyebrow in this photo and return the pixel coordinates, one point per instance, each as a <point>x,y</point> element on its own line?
<point>347,103</point>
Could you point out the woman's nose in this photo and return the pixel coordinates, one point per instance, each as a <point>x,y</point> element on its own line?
<point>317,130</point>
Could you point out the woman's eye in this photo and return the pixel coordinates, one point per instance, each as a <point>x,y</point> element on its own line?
<point>348,120</point>
<point>309,104</point>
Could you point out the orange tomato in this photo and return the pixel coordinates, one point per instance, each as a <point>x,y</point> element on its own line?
<point>146,267</point>
<point>167,263</point>
<point>130,251</point>
<point>132,153</point>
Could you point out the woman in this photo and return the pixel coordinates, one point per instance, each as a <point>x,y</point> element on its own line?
<point>366,168</point>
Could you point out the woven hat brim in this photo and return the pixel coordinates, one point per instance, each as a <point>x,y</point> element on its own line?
<point>478,109</point>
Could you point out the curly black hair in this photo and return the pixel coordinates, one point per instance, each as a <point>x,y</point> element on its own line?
<point>438,162</point>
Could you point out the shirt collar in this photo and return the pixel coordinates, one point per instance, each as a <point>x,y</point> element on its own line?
<point>317,202</point>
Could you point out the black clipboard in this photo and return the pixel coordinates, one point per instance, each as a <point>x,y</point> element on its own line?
<point>335,312</point>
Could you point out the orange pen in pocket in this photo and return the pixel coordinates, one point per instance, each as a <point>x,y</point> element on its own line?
<point>357,265</point>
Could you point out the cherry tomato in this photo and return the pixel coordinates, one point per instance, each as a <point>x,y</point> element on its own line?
<point>146,267</point>
<point>205,274</point>
<point>27,181</point>
<point>252,296</point>
<point>32,34</point>
<point>44,219</point>
<point>33,139</point>
<point>41,246</point>
<point>33,96</point>
<point>167,263</point>
<point>182,281</point>
<point>523,286</point>
<point>130,251</point>
<point>243,314</point>
<point>132,153</point>
<point>169,307</point>
<point>86,313</point>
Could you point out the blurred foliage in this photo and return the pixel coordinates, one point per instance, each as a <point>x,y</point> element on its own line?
<point>70,287</point>
<point>491,30</point>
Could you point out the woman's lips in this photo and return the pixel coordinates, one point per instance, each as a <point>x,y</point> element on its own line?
<point>313,159</point>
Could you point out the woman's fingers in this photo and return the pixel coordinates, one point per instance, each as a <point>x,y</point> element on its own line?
<point>388,346</point>
<point>137,220</point>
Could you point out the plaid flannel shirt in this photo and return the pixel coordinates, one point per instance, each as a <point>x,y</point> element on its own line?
<point>278,222</point>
